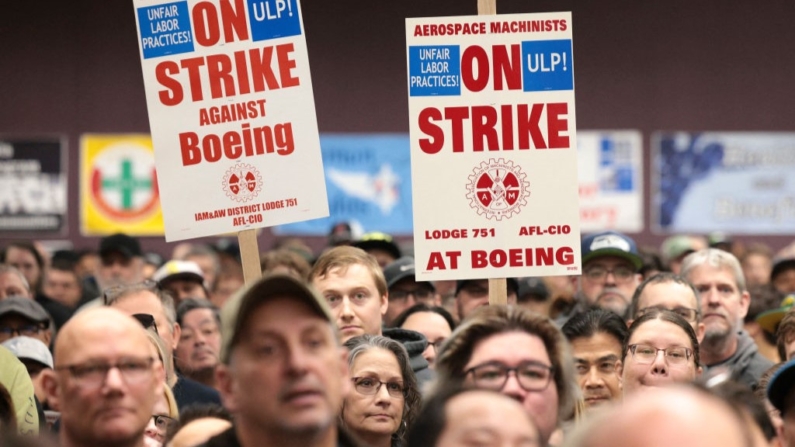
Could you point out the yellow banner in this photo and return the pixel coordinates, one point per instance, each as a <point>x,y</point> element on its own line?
<point>118,185</point>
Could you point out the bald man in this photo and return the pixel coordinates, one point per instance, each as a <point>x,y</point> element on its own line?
<point>105,382</point>
<point>677,416</point>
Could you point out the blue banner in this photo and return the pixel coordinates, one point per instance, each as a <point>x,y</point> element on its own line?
<point>368,180</point>
<point>735,182</point>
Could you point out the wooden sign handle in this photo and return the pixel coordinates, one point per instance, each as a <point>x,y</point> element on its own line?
<point>497,286</point>
<point>487,7</point>
<point>249,255</point>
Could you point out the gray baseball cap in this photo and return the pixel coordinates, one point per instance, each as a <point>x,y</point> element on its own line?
<point>27,348</point>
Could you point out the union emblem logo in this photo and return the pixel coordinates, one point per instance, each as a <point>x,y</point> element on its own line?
<point>242,182</point>
<point>498,189</point>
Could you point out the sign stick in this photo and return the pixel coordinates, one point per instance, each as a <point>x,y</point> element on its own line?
<point>497,286</point>
<point>249,255</point>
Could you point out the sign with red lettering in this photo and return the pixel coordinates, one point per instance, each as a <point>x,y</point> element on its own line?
<point>493,146</point>
<point>231,113</point>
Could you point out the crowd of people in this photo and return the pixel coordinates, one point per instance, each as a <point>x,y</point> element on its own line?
<point>689,344</point>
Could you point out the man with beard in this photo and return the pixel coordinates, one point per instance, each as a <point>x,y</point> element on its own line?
<point>610,262</point>
<point>718,277</point>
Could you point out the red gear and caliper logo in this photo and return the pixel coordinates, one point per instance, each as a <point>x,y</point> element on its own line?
<point>242,182</point>
<point>498,189</point>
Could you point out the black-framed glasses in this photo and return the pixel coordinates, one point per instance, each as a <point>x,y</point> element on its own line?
<point>28,330</point>
<point>598,273</point>
<point>531,375</point>
<point>645,354</point>
<point>111,294</point>
<point>369,386</point>
<point>147,321</point>
<point>421,294</point>
<point>163,422</point>
<point>133,370</point>
<point>689,314</point>
<point>437,344</point>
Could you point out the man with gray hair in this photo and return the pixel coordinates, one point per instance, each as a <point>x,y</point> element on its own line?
<point>719,280</point>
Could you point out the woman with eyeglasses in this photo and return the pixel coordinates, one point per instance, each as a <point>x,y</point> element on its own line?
<point>164,414</point>
<point>661,349</point>
<point>384,398</point>
<point>518,353</point>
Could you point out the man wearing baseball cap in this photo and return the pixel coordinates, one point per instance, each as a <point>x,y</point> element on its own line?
<point>284,373</point>
<point>404,289</point>
<point>36,357</point>
<point>23,316</point>
<point>471,294</point>
<point>610,262</point>
<point>184,279</point>
<point>121,261</point>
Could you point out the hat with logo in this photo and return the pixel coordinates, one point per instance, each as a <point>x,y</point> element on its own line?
<point>610,243</point>
<point>378,241</point>
<point>770,320</point>
<point>236,312</point>
<point>401,269</point>
<point>25,307</point>
<point>122,243</point>
<point>184,270</point>
<point>28,348</point>
<point>781,385</point>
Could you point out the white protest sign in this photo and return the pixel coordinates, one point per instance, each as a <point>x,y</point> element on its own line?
<point>493,146</point>
<point>231,113</point>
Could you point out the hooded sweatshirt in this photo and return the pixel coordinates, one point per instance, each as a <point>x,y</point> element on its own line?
<point>415,343</point>
<point>746,364</point>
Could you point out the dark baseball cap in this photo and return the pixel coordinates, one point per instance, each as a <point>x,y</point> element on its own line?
<point>532,287</point>
<point>610,243</point>
<point>378,241</point>
<point>26,307</point>
<point>781,385</point>
<point>122,243</point>
<point>401,269</point>
<point>781,265</point>
<point>235,312</point>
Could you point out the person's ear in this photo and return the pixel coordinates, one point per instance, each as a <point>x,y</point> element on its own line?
<point>620,372</point>
<point>225,385</point>
<point>49,382</point>
<point>177,334</point>
<point>384,303</point>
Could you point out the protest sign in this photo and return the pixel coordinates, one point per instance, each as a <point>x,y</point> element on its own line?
<point>732,182</point>
<point>232,115</point>
<point>611,180</point>
<point>493,146</point>
<point>118,186</point>
<point>32,185</point>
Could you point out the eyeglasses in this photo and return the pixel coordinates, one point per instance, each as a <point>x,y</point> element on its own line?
<point>531,375</point>
<point>369,386</point>
<point>675,355</point>
<point>94,374</point>
<point>599,273</point>
<point>437,344</point>
<point>111,294</point>
<point>163,422</point>
<point>28,330</point>
<point>690,315</point>
<point>403,295</point>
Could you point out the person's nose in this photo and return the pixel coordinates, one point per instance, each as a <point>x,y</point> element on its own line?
<point>593,379</point>
<point>710,297</point>
<point>512,388</point>
<point>297,361</point>
<point>113,380</point>
<point>346,310</point>
<point>382,397</point>
<point>430,354</point>
<point>151,429</point>
<point>610,278</point>
<point>659,366</point>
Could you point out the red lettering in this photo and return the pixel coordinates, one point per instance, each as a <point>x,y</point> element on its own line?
<point>286,65</point>
<point>234,20</point>
<point>205,24</point>
<point>457,115</point>
<point>479,259</point>
<point>434,145</point>
<point>484,120</point>
<point>528,125</point>
<point>507,68</point>
<point>475,55</point>
<point>173,95</point>
<point>192,65</point>
<point>191,154</point>
<point>556,125</point>
<point>261,69</point>
<point>219,70</point>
